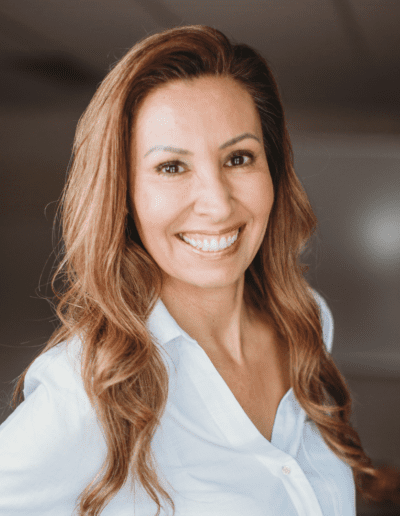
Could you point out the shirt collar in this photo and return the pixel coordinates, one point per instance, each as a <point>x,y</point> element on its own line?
<point>165,329</point>
<point>163,326</point>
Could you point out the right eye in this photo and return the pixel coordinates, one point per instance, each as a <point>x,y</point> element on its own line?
<point>171,168</point>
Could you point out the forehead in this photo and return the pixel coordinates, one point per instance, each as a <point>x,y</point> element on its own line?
<point>217,105</point>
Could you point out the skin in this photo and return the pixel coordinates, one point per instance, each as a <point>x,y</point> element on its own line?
<point>206,190</point>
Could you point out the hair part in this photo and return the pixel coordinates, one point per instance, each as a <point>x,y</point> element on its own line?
<point>112,283</point>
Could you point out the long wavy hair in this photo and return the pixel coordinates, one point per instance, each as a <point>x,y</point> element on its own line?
<point>111,283</point>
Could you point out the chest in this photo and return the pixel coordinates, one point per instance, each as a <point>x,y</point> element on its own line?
<point>260,386</point>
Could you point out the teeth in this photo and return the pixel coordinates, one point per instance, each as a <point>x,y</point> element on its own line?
<point>213,245</point>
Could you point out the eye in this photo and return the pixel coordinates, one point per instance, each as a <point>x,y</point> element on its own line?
<point>171,168</point>
<point>238,158</point>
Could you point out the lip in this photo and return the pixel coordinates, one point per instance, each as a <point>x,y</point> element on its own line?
<point>216,254</point>
<point>219,233</point>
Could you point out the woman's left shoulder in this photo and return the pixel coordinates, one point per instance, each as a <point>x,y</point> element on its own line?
<point>326,319</point>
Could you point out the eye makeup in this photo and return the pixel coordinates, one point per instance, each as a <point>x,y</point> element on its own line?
<point>234,154</point>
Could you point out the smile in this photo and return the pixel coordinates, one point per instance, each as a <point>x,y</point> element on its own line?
<point>213,246</point>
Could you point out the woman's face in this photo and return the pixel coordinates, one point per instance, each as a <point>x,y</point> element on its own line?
<point>198,169</point>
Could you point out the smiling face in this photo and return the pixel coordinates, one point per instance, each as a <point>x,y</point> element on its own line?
<point>198,167</point>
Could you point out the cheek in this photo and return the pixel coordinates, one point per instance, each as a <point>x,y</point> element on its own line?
<point>260,196</point>
<point>153,206</point>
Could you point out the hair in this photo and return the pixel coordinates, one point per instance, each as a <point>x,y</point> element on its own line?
<point>111,283</point>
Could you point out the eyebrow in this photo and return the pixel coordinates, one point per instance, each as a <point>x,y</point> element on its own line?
<point>183,151</point>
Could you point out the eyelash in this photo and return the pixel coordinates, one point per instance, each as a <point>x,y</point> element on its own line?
<point>233,155</point>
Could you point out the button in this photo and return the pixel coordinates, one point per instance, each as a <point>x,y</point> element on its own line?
<point>286,470</point>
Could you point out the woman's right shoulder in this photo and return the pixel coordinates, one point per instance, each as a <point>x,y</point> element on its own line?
<point>58,368</point>
<point>52,438</point>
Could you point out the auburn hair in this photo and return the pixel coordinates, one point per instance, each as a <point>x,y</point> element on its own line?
<point>111,283</point>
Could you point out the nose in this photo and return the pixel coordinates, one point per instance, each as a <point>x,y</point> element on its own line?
<point>214,195</point>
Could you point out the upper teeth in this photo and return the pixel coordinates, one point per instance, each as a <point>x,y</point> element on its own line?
<point>213,245</point>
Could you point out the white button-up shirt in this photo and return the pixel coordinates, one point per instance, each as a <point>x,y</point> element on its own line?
<point>209,455</point>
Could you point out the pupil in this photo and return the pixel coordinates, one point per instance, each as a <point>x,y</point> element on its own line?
<point>169,167</point>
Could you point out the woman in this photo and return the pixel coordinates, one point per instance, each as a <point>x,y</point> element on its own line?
<point>192,361</point>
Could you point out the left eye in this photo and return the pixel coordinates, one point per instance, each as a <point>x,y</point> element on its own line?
<point>239,159</point>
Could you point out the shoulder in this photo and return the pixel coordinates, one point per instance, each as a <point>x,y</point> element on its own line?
<point>58,369</point>
<point>51,439</point>
<point>326,319</point>
<point>54,382</point>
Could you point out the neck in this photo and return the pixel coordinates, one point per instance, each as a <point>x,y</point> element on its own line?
<point>219,319</point>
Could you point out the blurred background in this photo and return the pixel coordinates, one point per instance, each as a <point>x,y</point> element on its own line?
<point>337,63</point>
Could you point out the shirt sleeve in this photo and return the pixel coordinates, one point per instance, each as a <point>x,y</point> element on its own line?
<point>51,446</point>
<point>326,320</point>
